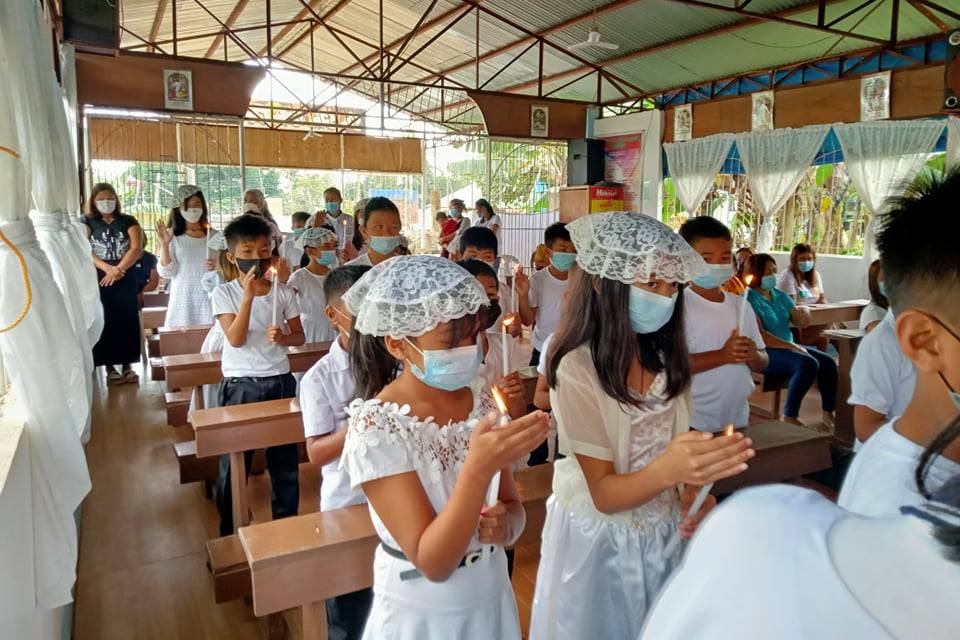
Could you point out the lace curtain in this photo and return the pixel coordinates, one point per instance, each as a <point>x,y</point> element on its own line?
<point>41,353</point>
<point>774,162</point>
<point>953,142</point>
<point>694,166</point>
<point>881,159</point>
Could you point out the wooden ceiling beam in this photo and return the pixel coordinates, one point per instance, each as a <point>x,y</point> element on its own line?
<point>157,22</point>
<point>231,20</point>
<point>303,13</point>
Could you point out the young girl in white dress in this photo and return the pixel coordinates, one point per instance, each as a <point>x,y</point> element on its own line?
<point>620,378</point>
<point>319,247</point>
<point>423,448</point>
<point>182,259</point>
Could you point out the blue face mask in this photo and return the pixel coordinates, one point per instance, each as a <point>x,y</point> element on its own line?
<point>768,282</point>
<point>384,244</point>
<point>327,258</point>
<point>716,275</point>
<point>298,232</point>
<point>448,369</point>
<point>650,311</point>
<point>883,289</point>
<point>805,266</point>
<point>562,261</point>
<point>332,207</point>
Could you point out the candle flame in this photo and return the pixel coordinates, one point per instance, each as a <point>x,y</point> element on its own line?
<point>508,320</point>
<point>747,280</point>
<point>729,430</point>
<point>499,399</point>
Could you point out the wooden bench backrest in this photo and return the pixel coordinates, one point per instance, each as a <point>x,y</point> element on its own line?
<point>182,340</point>
<point>195,369</point>
<point>247,426</point>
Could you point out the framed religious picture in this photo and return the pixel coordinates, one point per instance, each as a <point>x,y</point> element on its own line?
<point>762,113</point>
<point>539,121</point>
<point>178,90</point>
<point>683,123</point>
<point>875,97</point>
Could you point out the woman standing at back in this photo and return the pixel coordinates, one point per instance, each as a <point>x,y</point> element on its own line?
<point>182,253</point>
<point>256,203</point>
<point>116,250</point>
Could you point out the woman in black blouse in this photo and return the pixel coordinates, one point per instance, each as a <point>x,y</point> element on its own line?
<point>116,250</point>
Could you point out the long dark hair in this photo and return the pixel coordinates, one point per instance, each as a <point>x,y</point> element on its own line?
<point>597,313</point>
<point>873,284</point>
<point>176,220</point>
<point>947,535</point>
<point>92,211</point>
<point>756,265</point>
<point>483,202</point>
<point>809,276</point>
<point>357,236</point>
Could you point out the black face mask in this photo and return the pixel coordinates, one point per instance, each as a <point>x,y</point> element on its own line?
<point>262,264</point>
<point>493,312</point>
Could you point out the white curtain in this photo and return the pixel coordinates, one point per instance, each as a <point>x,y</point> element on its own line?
<point>953,142</point>
<point>775,162</point>
<point>41,353</point>
<point>882,157</point>
<point>694,166</point>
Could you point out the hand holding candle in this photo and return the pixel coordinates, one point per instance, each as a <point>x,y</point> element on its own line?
<point>741,321</point>
<point>273,296</point>
<point>504,344</point>
<point>705,489</point>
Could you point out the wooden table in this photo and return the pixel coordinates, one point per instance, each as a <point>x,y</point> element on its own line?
<point>197,369</point>
<point>831,312</point>
<point>175,341</point>
<point>846,342</point>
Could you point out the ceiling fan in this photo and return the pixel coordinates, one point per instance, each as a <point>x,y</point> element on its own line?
<point>593,39</point>
<point>311,132</point>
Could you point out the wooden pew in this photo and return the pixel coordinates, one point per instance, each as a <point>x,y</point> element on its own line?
<point>153,317</point>
<point>784,452</point>
<point>846,342</point>
<point>235,429</point>
<point>156,299</point>
<point>768,383</point>
<point>831,312</point>
<point>194,370</point>
<point>175,341</point>
<point>302,561</point>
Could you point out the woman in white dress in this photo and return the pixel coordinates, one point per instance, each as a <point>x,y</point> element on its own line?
<point>182,259</point>
<point>786,563</point>
<point>619,376</point>
<point>421,445</point>
<point>319,247</point>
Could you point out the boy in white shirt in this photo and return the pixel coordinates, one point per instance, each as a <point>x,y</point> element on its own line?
<point>481,244</point>
<point>921,267</point>
<point>722,354</point>
<point>288,249</point>
<point>342,224</point>
<point>541,295</point>
<point>381,232</point>
<point>325,391</point>
<point>254,359</point>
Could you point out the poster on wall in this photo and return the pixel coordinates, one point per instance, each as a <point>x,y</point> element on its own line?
<point>178,89</point>
<point>683,123</point>
<point>875,97</point>
<point>539,121</point>
<point>762,113</point>
<point>623,157</point>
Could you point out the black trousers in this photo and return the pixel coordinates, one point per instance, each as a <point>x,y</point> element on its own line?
<point>282,462</point>
<point>347,615</point>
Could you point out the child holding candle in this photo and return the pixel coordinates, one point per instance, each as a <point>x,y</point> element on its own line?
<point>722,333</point>
<point>182,254</point>
<point>620,376</point>
<point>289,250</point>
<point>254,361</point>
<point>424,450</point>
<point>319,245</point>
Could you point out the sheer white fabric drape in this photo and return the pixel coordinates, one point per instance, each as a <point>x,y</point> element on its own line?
<point>774,162</point>
<point>41,354</point>
<point>694,166</point>
<point>953,142</point>
<point>881,159</point>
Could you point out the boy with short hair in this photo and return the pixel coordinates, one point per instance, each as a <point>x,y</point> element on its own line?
<point>478,243</point>
<point>288,249</point>
<point>325,392</point>
<point>342,224</point>
<point>380,231</point>
<point>921,269</point>
<point>254,360</point>
<point>541,295</point>
<point>722,354</point>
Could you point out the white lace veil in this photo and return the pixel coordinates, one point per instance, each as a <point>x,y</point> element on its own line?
<point>630,247</point>
<point>315,237</point>
<point>407,296</point>
<point>217,241</point>
<point>185,192</point>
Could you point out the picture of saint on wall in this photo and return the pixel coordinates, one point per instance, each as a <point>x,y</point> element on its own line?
<point>539,121</point>
<point>178,89</point>
<point>683,123</point>
<point>762,114</point>
<point>875,97</point>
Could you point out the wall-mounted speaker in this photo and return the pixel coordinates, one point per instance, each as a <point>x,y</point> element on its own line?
<point>951,91</point>
<point>92,24</point>
<point>585,162</point>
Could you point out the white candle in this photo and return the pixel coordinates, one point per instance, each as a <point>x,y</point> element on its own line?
<point>744,306</point>
<point>208,241</point>
<point>274,296</point>
<point>504,336</point>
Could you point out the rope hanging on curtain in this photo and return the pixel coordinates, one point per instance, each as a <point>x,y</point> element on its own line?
<point>24,271</point>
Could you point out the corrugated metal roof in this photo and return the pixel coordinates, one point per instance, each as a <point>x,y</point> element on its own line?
<point>635,26</point>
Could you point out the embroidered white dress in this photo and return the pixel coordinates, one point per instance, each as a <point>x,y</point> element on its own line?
<point>189,303</point>
<point>212,343</point>
<point>476,602</point>
<point>309,288</point>
<point>600,573</point>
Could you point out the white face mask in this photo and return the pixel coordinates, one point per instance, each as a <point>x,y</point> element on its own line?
<point>106,206</point>
<point>250,207</point>
<point>193,214</point>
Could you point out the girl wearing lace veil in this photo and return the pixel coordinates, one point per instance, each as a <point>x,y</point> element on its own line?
<point>422,447</point>
<point>619,376</point>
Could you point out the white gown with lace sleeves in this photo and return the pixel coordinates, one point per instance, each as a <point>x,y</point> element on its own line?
<point>476,602</point>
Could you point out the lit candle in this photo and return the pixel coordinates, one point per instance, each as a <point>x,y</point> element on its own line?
<point>514,300</point>
<point>208,240</point>
<point>504,337</point>
<point>493,491</point>
<point>744,306</point>
<point>273,295</point>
